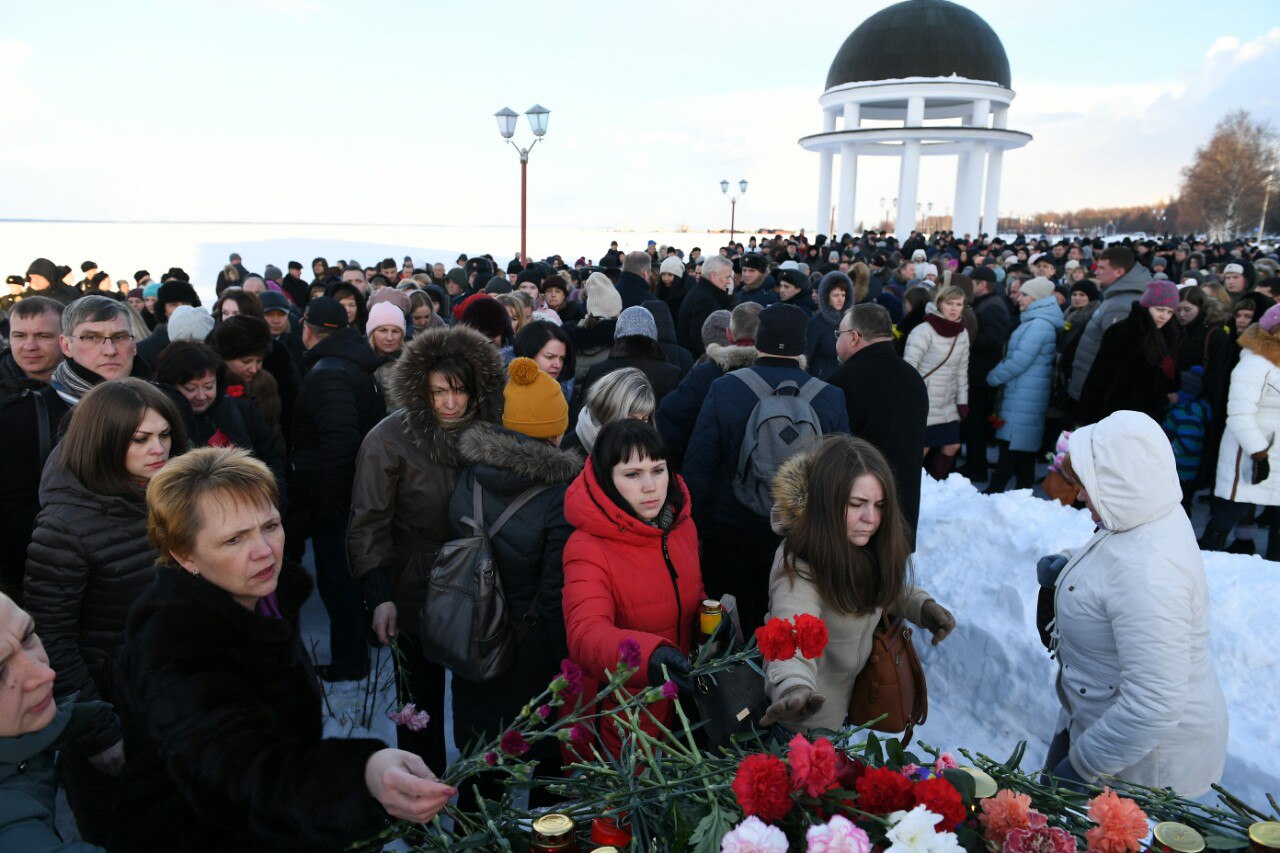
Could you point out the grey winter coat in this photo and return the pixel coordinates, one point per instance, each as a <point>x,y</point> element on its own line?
<point>1116,302</point>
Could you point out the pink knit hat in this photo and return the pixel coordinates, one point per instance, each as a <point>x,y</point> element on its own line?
<point>1160,294</point>
<point>1271,319</point>
<point>385,314</point>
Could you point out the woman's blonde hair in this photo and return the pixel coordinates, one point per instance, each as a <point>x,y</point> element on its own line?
<point>948,294</point>
<point>621,394</point>
<point>175,495</point>
<point>513,302</point>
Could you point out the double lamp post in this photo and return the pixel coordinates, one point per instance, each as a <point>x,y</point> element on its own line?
<point>507,127</point>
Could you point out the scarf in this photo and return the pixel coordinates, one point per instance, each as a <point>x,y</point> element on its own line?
<point>586,429</point>
<point>72,381</point>
<point>941,325</point>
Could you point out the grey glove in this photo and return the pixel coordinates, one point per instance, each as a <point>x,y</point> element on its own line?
<point>795,704</point>
<point>937,619</point>
<point>111,760</point>
<point>1049,567</point>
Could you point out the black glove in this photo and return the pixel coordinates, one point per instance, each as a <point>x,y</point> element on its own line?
<point>677,667</point>
<point>1261,467</point>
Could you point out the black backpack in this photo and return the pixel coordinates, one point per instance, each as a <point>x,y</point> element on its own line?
<point>465,624</point>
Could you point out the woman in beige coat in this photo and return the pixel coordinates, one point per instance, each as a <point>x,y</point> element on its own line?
<point>845,559</point>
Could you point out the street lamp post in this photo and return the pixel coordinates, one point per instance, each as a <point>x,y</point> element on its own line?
<point>507,118</point>
<point>733,203</point>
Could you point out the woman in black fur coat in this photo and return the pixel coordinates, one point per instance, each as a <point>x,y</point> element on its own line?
<point>221,707</point>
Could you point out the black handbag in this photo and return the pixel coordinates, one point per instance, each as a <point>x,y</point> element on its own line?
<point>731,701</point>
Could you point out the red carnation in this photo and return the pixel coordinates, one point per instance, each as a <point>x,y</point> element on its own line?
<point>811,635</point>
<point>848,772</point>
<point>813,766</point>
<point>941,797</point>
<point>513,743</point>
<point>883,791</point>
<point>761,786</point>
<point>777,640</point>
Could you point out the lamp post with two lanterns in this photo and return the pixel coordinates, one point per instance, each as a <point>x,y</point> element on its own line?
<point>733,203</point>
<point>507,127</point>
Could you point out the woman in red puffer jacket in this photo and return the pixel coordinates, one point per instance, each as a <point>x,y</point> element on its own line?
<point>631,566</point>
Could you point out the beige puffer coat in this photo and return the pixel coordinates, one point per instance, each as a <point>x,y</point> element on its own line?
<point>849,647</point>
<point>944,364</point>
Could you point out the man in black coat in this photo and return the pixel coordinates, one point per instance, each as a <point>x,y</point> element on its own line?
<point>633,283</point>
<point>710,293</point>
<point>336,406</point>
<point>995,325</point>
<point>886,398</point>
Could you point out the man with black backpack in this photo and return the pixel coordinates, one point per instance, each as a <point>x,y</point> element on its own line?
<point>753,420</point>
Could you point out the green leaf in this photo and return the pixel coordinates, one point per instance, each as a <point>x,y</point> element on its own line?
<point>1225,842</point>
<point>897,758</point>
<point>963,783</point>
<point>706,836</point>
<point>873,752</point>
<point>1018,752</point>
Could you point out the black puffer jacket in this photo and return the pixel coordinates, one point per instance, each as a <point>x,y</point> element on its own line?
<point>241,422</point>
<point>528,552</point>
<point>336,407</point>
<point>639,352</point>
<point>223,729</point>
<point>406,469</point>
<point>89,560</point>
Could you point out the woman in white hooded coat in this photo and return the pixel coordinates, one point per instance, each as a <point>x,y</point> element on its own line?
<point>939,349</point>
<point>1140,696</point>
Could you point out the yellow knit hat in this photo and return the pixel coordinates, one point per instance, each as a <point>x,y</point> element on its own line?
<point>535,405</point>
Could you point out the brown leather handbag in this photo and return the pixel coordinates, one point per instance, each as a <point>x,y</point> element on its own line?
<point>891,683</point>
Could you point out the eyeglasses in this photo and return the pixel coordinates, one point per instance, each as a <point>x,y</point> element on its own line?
<point>93,339</point>
<point>840,332</point>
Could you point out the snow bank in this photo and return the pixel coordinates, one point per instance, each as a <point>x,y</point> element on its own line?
<point>991,682</point>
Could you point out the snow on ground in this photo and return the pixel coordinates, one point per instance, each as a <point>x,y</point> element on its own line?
<point>991,682</point>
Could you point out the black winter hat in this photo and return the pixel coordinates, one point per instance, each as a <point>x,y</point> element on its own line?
<point>325,312</point>
<point>140,275</point>
<point>294,265</point>
<point>533,274</point>
<point>1088,288</point>
<point>273,301</point>
<point>241,336</point>
<point>515,267</point>
<point>46,268</point>
<point>498,285</point>
<point>88,265</point>
<point>487,316</point>
<point>481,267</point>
<point>983,273</point>
<point>795,278</point>
<point>176,290</point>
<point>782,330</point>
<point>755,261</point>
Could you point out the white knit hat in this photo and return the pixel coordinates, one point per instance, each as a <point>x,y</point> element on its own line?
<point>672,266</point>
<point>603,300</point>
<point>190,324</point>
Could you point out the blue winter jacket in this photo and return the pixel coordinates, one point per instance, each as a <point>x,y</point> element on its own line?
<point>1026,372</point>
<point>711,459</point>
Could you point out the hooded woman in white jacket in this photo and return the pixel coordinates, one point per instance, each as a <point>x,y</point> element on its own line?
<point>939,349</point>
<point>1139,692</point>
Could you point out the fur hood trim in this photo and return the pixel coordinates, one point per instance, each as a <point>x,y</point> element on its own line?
<point>791,492</point>
<point>409,384</point>
<point>528,459</point>
<point>1263,343</point>
<point>732,357</point>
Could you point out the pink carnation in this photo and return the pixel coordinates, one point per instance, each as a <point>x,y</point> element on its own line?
<point>629,654</point>
<point>839,835</point>
<point>754,836</point>
<point>946,761</point>
<point>1039,840</point>
<point>410,717</point>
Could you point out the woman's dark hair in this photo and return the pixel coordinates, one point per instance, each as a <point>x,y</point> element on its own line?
<point>915,299</point>
<point>1157,344</point>
<point>530,340</point>
<point>460,375</point>
<point>248,303</point>
<point>103,424</point>
<point>849,578</point>
<point>184,361</point>
<point>619,441</point>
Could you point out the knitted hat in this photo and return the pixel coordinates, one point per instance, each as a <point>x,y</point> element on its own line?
<point>636,320</point>
<point>782,330</point>
<point>603,300</point>
<point>1038,288</point>
<point>487,316</point>
<point>242,336</point>
<point>272,273</point>
<point>497,285</point>
<point>190,324</point>
<point>1271,319</point>
<point>385,314</point>
<point>1086,287</point>
<point>532,273</point>
<point>925,269</point>
<point>175,290</point>
<point>547,315</point>
<point>672,266</point>
<point>151,291</point>
<point>136,293</point>
<point>398,298</point>
<point>535,404</point>
<point>1160,294</point>
<point>1192,381</point>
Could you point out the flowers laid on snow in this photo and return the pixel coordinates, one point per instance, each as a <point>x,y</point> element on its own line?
<point>1121,824</point>
<point>754,836</point>
<point>410,717</point>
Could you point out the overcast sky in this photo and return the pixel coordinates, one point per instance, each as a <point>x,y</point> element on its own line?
<point>323,111</point>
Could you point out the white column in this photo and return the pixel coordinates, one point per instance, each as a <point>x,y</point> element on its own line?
<point>967,221</point>
<point>909,174</point>
<point>824,176</point>
<point>846,214</point>
<point>962,173</point>
<point>990,210</point>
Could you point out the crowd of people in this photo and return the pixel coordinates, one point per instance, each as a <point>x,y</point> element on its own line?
<point>634,436</point>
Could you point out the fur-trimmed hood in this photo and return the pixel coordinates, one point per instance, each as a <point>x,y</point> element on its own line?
<point>790,492</point>
<point>732,357</point>
<point>527,460</point>
<point>1265,344</point>
<point>409,384</point>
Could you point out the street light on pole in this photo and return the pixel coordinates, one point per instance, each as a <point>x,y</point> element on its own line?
<point>733,203</point>
<point>507,119</point>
